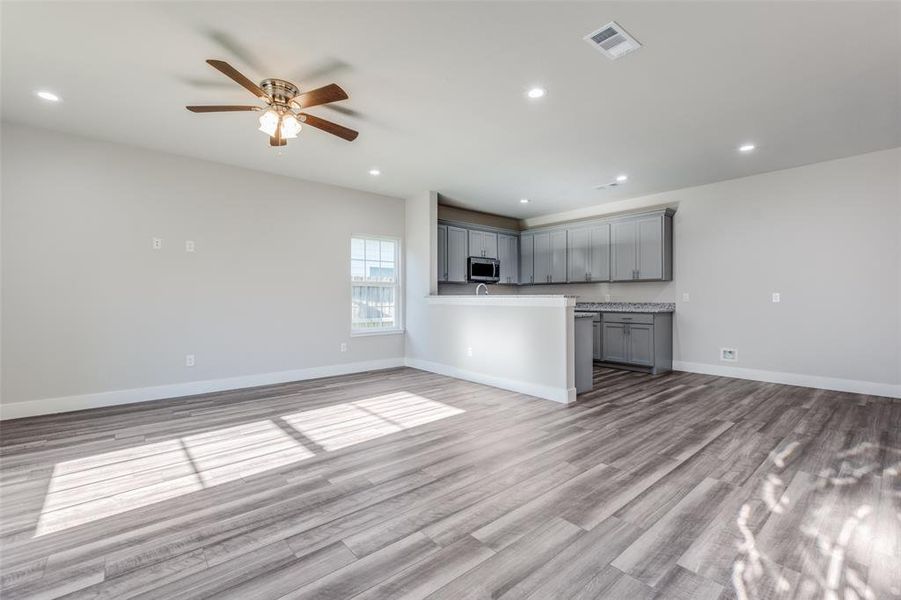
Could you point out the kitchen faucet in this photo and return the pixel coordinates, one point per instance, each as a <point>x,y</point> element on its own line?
<point>480,286</point>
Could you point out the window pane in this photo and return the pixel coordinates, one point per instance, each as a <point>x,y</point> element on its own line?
<point>357,270</point>
<point>387,251</point>
<point>373,307</point>
<point>373,269</point>
<point>372,250</point>
<point>357,248</point>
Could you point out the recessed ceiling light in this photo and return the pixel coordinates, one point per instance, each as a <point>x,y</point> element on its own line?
<point>746,148</point>
<point>523,200</point>
<point>374,172</point>
<point>45,95</point>
<point>536,92</point>
<point>622,178</point>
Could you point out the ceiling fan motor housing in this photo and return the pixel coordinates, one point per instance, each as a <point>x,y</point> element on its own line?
<point>281,91</point>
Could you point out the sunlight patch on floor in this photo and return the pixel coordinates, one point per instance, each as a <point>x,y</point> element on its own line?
<point>334,427</point>
<point>94,487</point>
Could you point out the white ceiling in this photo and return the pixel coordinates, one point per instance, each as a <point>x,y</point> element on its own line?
<point>439,89</point>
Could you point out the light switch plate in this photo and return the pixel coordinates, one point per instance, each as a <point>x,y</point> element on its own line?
<point>777,297</point>
<point>189,246</point>
<point>686,297</point>
<point>606,297</point>
<point>343,347</point>
<point>157,243</point>
<point>189,360</point>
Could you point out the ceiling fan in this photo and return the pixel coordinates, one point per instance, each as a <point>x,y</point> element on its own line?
<point>282,116</point>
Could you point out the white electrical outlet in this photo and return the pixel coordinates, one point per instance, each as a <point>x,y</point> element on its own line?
<point>189,360</point>
<point>343,346</point>
<point>157,243</point>
<point>469,351</point>
<point>777,297</point>
<point>189,246</point>
<point>686,297</point>
<point>729,354</point>
<point>606,297</point>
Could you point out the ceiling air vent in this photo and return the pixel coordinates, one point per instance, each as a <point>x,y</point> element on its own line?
<point>612,41</point>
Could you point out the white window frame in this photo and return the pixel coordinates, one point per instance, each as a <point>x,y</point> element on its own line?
<point>398,327</point>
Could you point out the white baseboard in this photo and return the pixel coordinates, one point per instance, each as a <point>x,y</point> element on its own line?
<point>30,408</point>
<point>555,394</point>
<point>813,381</point>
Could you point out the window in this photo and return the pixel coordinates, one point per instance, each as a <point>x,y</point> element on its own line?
<point>375,285</point>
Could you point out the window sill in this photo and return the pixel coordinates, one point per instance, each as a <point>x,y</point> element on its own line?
<point>354,334</point>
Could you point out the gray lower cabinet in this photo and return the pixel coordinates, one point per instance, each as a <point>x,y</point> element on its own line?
<point>614,348</point>
<point>508,255</point>
<point>637,339</point>
<point>442,253</point>
<point>640,342</point>
<point>582,355</point>
<point>457,253</point>
<point>526,259</point>
<point>641,248</point>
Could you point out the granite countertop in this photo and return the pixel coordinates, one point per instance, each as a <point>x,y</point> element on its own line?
<point>636,307</point>
<point>584,315</point>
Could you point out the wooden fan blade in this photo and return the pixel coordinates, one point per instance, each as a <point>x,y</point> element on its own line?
<point>333,128</point>
<point>227,108</point>
<point>323,95</point>
<point>229,71</point>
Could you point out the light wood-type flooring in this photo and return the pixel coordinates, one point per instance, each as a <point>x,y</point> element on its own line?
<point>406,484</point>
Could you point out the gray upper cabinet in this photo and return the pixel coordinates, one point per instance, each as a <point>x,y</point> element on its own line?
<point>577,267</point>
<point>508,255</point>
<point>457,253</point>
<point>442,253</point>
<point>589,253</point>
<point>526,259</point>
<point>558,256</point>
<point>650,247</point>
<point>541,256</point>
<point>635,247</point>
<point>623,250</point>
<point>549,256</point>
<point>599,252</point>
<point>483,243</point>
<point>641,248</point>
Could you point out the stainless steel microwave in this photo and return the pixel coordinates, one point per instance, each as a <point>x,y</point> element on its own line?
<point>483,270</point>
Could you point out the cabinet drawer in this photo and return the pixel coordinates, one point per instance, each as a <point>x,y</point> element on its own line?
<point>629,318</point>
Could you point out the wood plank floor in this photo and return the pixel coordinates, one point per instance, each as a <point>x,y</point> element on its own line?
<point>406,484</point>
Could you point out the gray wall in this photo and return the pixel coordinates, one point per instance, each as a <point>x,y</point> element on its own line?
<point>88,306</point>
<point>826,236</point>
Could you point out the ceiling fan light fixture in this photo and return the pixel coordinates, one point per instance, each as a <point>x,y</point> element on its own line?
<point>269,122</point>
<point>290,126</point>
